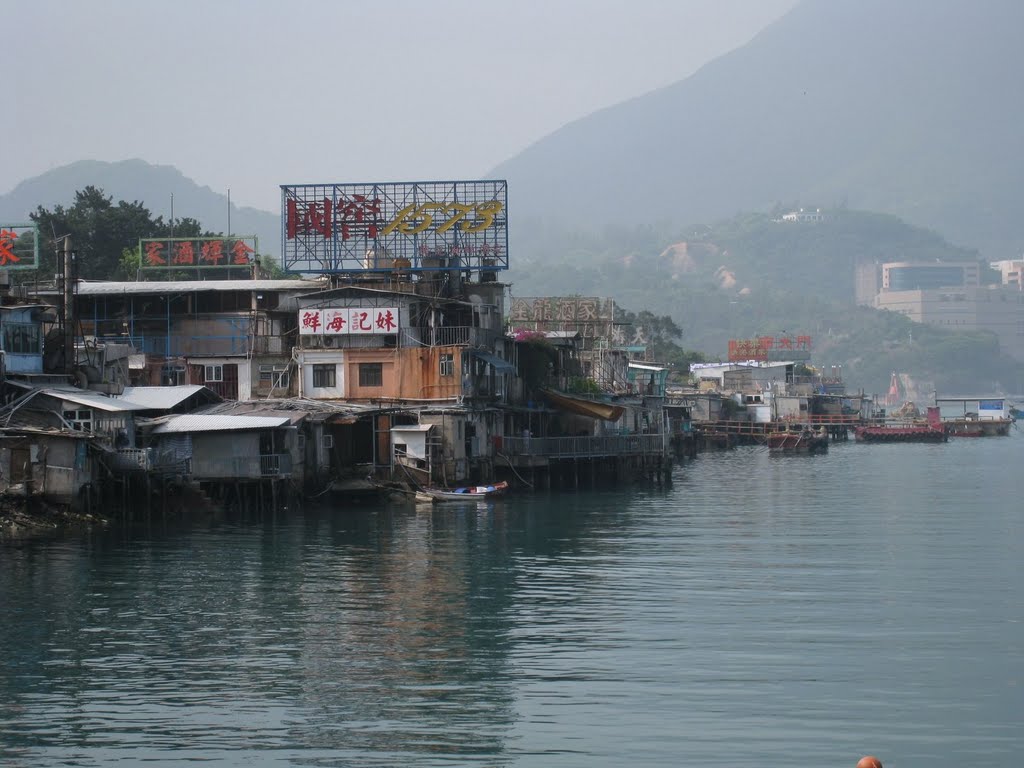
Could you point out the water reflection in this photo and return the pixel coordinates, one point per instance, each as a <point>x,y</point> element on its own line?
<point>331,632</point>
<point>861,598</point>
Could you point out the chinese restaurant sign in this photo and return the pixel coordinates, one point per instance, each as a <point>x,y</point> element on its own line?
<point>591,317</point>
<point>193,252</point>
<point>413,227</point>
<point>765,348</point>
<point>341,320</point>
<point>19,246</point>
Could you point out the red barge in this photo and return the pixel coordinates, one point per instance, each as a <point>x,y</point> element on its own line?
<point>931,432</point>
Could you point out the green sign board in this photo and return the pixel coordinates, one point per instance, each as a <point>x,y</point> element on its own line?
<point>198,252</point>
<point>19,246</point>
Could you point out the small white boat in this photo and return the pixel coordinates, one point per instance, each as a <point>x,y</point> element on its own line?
<point>468,493</point>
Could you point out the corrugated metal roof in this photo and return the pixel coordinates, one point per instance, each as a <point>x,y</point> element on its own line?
<point>160,398</point>
<point>192,422</point>
<point>92,400</point>
<point>413,428</point>
<point>109,288</point>
<point>648,366</point>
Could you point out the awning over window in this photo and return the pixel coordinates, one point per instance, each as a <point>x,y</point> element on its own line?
<point>497,363</point>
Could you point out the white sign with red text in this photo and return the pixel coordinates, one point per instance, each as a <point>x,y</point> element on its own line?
<point>336,321</point>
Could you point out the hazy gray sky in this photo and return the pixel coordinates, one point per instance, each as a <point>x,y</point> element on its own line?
<point>251,95</point>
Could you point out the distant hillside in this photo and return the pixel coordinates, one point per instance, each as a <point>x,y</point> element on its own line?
<point>909,107</point>
<point>750,276</point>
<point>153,185</point>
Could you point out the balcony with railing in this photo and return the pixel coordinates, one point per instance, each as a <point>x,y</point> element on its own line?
<point>449,336</point>
<point>264,466</point>
<point>130,460</point>
<point>176,345</point>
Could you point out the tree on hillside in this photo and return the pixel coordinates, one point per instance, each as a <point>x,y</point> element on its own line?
<point>101,232</point>
<point>660,333</point>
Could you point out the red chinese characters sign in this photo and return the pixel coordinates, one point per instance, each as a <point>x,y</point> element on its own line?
<point>19,246</point>
<point>421,226</point>
<point>171,253</point>
<point>763,348</point>
<point>335,321</point>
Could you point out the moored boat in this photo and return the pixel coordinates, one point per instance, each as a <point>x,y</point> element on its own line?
<point>803,441</point>
<point>467,493</point>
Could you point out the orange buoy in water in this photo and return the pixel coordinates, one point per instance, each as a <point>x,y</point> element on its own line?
<point>869,761</point>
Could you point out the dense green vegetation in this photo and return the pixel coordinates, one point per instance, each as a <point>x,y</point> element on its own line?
<point>752,275</point>
<point>105,236</point>
<point>101,231</point>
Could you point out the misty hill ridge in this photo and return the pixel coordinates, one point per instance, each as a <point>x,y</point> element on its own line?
<point>152,185</point>
<point>909,108</point>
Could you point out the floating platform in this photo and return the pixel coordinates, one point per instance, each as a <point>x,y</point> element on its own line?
<point>900,434</point>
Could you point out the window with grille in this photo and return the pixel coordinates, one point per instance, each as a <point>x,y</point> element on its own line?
<point>21,338</point>
<point>447,365</point>
<point>274,376</point>
<point>213,373</point>
<point>80,419</point>
<point>324,375</point>
<point>371,374</point>
<point>174,375</point>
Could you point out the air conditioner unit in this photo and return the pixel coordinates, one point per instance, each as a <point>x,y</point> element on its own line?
<point>328,341</point>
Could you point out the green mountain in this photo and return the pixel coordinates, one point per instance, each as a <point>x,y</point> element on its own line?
<point>153,185</point>
<point>753,275</point>
<point>909,107</point>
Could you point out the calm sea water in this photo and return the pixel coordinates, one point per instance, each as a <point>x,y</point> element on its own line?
<point>762,611</point>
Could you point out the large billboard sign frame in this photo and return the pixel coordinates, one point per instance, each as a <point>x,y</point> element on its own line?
<point>19,246</point>
<point>424,226</point>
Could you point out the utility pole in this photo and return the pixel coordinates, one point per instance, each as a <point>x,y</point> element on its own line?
<point>68,308</point>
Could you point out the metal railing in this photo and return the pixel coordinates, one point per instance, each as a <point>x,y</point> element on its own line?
<point>235,467</point>
<point>130,459</point>
<point>563,447</point>
<point>179,345</point>
<point>239,467</point>
<point>449,336</point>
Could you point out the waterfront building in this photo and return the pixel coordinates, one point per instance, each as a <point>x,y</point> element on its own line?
<point>21,338</point>
<point>233,336</point>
